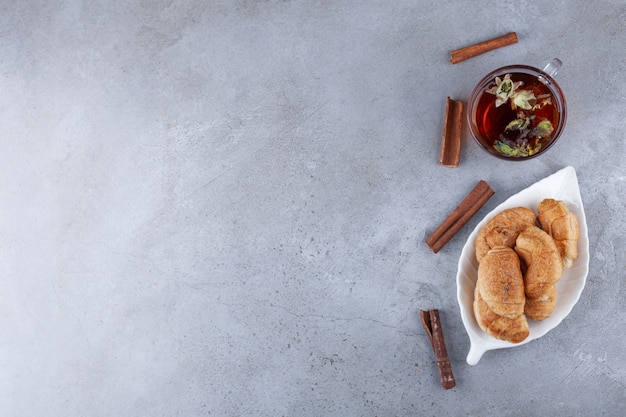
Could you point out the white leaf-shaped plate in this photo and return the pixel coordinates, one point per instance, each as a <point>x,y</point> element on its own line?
<point>562,185</point>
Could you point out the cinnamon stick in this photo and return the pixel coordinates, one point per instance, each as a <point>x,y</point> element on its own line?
<point>460,216</point>
<point>451,138</point>
<point>482,47</point>
<point>432,325</point>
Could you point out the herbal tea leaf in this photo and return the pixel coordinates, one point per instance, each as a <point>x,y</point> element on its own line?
<point>516,150</point>
<point>544,128</point>
<point>517,124</point>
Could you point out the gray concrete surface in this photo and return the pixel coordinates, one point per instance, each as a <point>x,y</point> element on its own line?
<point>219,208</point>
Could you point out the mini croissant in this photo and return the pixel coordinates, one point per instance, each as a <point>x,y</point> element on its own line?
<point>503,229</point>
<point>560,223</point>
<point>541,307</point>
<point>541,261</point>
<point>513,329</point>
<point>500,282</point>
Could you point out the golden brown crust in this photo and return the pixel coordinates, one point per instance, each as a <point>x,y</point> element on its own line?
<point>503,229</point>
<point>541,259</point>
<point>513,330</point>
<point>560,223</point>
<point>519,264</point>
<point>501,283</point>
<point>540,308</point>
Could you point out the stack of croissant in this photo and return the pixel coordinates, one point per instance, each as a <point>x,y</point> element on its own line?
<point>519,264</point>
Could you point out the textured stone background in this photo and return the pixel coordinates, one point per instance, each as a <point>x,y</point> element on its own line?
<point>219,207</point>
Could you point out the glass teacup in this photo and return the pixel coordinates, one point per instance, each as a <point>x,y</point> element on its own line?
<point>517,112</point>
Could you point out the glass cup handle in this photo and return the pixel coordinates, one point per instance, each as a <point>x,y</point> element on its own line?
<point>553,67</point>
